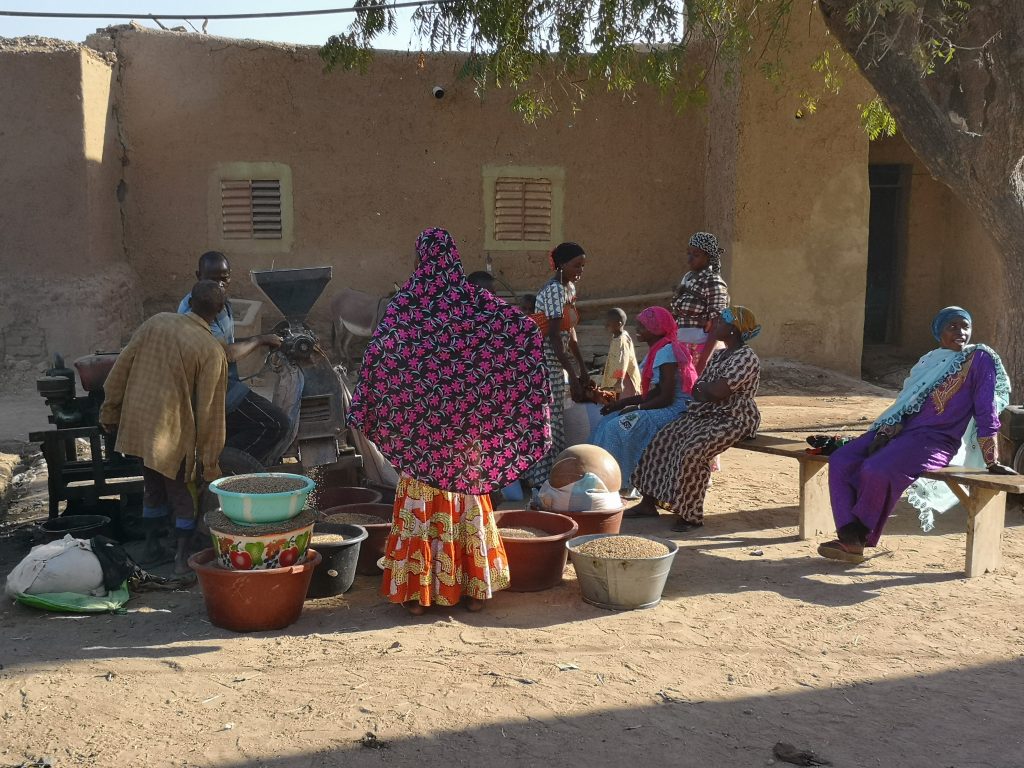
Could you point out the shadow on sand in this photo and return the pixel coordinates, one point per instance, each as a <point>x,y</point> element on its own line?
<point>966,718</point>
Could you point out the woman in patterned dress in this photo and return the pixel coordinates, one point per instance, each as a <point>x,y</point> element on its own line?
<point>701,296</point>
<point>675,468</point>
<point>454,391</point>
<point>557,317</point>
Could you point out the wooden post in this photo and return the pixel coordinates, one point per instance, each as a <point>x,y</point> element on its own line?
<point>986,515</point>
<point>815,505</point>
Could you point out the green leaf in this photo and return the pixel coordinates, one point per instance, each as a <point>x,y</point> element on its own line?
<point>255,549</point>
<point>876,119</point>
<point>552,53</point>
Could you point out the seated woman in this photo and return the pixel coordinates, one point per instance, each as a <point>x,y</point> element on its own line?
<point>675,468</point>
<point>666,378</point>
<point>952,398</point>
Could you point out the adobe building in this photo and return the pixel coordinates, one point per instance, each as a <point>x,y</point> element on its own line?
<point>125,158</point>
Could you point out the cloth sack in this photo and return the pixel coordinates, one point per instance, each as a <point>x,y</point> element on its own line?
<point>65,565</point>
<point>287,397</point>
<point>378,470</point>
<point>588,494</point>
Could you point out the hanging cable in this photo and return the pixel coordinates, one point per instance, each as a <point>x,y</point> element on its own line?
<point>224,16</point>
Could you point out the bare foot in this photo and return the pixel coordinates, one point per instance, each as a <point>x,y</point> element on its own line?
<point>182,554</point>
<point>474,605</point>
<point>414,608</point>
<point>181,567</point>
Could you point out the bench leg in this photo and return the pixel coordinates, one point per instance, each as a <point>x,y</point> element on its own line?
<point>815,505</point>
<point>986,515</point>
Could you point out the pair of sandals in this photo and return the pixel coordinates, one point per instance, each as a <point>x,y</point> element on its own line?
<point>826,445</point>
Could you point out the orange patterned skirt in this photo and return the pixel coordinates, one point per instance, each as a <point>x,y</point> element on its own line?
<point>442,546</point>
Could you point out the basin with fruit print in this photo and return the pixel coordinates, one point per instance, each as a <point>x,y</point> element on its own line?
<point>260,547</point>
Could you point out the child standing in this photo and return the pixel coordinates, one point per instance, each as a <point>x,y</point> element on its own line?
<point>621,372</point>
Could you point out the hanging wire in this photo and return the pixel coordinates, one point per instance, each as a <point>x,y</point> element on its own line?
<point>224,16</point>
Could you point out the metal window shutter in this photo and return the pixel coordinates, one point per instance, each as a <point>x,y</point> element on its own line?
<point>522,209</point>
<point>251,209</point>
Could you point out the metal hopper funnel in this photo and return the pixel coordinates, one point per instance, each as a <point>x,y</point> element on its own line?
<point>293,291</point>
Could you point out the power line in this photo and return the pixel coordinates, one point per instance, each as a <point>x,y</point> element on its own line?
<point>224,16</point>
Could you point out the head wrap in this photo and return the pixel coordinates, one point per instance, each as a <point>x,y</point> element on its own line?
<point>709,244</point>
<point>453,388</point>
<point>659,320</point>
<point>743,320</point>
<point>563,253</point>
<point>943,318</point>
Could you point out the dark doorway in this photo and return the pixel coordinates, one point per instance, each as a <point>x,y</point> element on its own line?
<point>886,233</point>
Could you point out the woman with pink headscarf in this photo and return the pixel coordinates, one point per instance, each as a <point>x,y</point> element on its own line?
<point>667,376</point>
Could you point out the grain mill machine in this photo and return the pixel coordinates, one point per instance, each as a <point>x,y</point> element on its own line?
<point>314,401</point>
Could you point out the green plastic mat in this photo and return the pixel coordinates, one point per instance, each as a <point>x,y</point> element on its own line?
<point>72,602</point>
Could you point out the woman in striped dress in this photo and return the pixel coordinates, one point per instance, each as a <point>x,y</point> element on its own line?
<point>675,468</point>
<point>557,317</point>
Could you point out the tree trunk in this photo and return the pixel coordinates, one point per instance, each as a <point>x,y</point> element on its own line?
<point>965,122</point>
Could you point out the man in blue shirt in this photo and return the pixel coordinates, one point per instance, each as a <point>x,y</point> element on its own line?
<point>254,424</point>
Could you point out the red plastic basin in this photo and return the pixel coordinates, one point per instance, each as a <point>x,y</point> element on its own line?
<point>253,601</point>
<point>600,521</point>
<point>536,564</point>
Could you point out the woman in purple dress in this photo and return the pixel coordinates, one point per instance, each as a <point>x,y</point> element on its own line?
<point>948,409</point>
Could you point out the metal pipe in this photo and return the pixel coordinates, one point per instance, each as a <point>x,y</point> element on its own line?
<point>637,298</point>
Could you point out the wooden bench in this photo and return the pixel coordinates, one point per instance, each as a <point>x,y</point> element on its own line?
<point>982,494</point>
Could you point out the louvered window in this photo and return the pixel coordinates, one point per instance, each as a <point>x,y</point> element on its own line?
<point>251,209</point>
<point>522,209</point>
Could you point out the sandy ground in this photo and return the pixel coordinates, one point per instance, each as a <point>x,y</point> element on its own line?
<point>898,662</point>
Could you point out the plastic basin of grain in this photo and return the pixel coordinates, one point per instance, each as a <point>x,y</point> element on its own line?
<point>252,499</point>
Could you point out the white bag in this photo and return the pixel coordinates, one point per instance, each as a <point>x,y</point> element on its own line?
<point>588,494</point>
<point>66,565</point>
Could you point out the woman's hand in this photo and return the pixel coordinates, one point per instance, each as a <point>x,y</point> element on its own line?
<point>892,429</point>
<point>715,391</point>
<point>575,389</point>
<point>611,408</point>
<point>884,434</point>
<point>879,442</point>
<point>586,382</point>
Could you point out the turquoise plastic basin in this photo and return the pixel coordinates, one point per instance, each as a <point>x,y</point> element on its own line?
<point>257,508</point>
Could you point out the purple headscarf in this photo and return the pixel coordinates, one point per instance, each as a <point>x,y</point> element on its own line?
<point>453,387</point>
